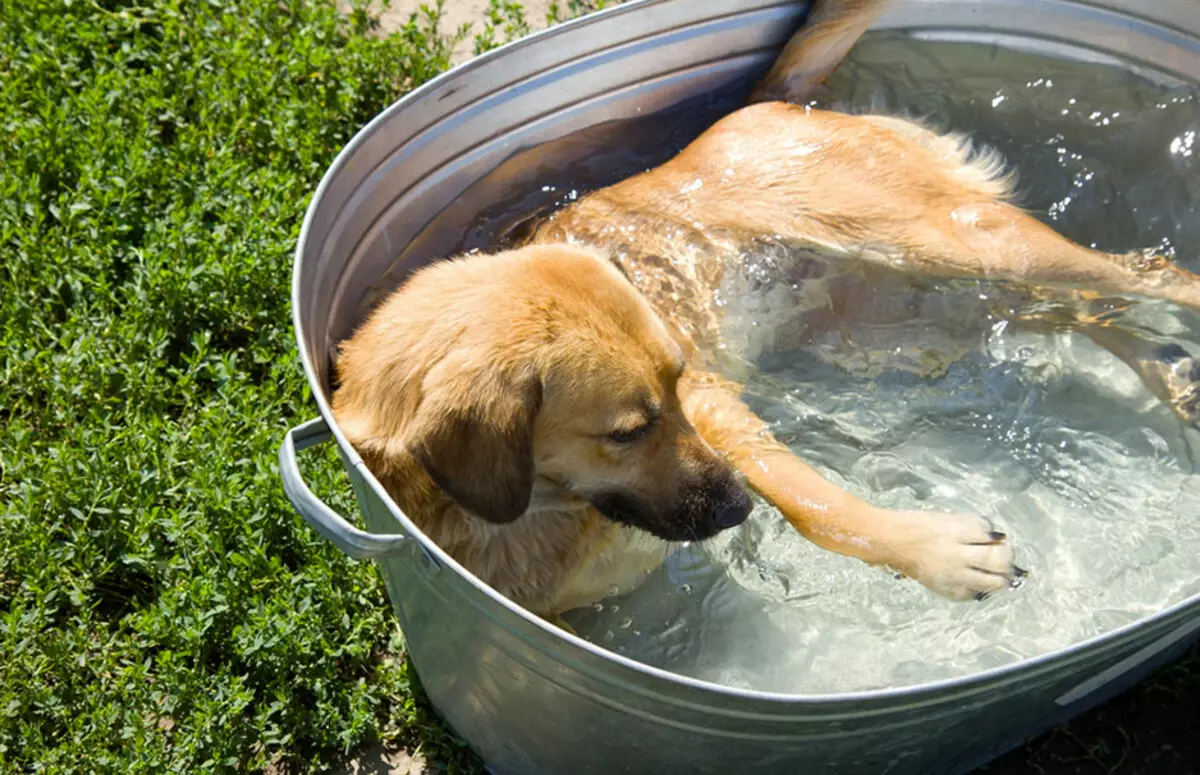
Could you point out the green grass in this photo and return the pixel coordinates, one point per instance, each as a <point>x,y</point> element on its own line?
<point>162,609</point>
<point>161,606</point>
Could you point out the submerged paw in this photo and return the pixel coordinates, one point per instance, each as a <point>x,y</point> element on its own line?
<point>1179,375</point>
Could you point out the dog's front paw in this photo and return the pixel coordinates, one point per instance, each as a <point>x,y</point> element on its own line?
<point>959,556</point>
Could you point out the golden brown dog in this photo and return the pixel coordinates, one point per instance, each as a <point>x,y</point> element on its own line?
<point>556,416</point>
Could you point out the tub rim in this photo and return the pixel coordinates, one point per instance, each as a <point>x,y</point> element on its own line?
<point>939,690</point>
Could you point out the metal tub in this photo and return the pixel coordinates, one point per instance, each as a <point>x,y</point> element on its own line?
<point>526,696</point>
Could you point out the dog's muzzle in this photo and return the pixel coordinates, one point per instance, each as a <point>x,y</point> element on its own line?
<point>717,504</point>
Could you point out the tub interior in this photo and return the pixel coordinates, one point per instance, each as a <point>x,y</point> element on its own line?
<point>1123,184</point>
<point>415,184</point>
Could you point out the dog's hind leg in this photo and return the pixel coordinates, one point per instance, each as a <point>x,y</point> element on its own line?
<point>1167,369</point>
<point>997,241</point>
<point>956,555</point>
<point>816,49</point>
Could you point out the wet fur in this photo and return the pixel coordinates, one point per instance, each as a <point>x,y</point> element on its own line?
<point>480,392</point>
<point>480,397</point>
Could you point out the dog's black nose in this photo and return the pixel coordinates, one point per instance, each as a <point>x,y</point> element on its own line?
<point>733,511</point>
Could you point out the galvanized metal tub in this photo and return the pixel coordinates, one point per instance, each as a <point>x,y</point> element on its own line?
<point>528,697</point>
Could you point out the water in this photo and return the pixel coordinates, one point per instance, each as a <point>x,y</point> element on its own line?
<point>1054,440</point>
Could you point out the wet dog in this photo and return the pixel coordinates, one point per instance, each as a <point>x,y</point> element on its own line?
<point>557,416</point>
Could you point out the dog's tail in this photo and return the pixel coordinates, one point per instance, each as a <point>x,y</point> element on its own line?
<point>815,51</point>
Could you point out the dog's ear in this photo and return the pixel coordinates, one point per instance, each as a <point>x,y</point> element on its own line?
<point>473,435</point>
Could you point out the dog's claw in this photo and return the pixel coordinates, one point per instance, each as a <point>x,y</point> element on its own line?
<point>959,556</point>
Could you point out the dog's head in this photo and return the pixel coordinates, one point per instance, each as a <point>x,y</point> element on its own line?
<point>538,378</point>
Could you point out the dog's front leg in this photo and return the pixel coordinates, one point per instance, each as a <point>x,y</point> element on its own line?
<point>956,555</point>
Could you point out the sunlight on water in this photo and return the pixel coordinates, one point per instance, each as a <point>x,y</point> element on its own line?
<point>1050,437</point>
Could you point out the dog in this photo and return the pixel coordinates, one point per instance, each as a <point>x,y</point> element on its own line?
<point>559,416</point>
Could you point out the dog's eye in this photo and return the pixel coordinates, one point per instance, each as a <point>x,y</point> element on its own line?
<point>630,436</point>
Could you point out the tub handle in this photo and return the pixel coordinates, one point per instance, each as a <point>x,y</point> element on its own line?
<point>356,543</point>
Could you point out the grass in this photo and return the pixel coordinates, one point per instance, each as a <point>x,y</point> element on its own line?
<point>162,609</point>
